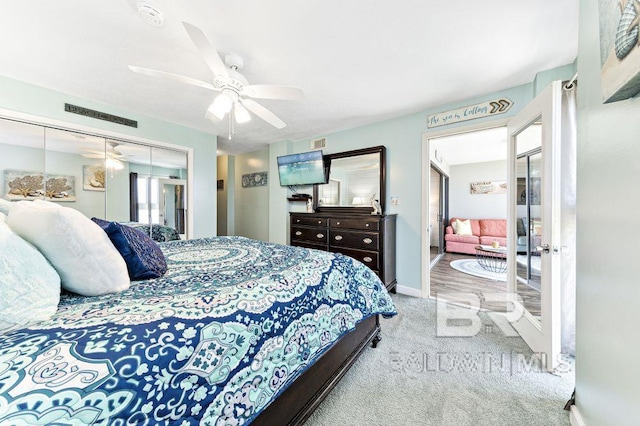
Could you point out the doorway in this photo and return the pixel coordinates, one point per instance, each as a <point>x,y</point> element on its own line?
<point>473,154</point>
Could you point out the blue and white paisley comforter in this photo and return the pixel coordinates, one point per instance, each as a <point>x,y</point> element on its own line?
<point>232,323</point>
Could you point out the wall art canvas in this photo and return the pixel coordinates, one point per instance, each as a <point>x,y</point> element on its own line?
<point>619,49</point>
<point>23,185</point>
<point>489,187</point>
<point>93,178</point>
<point>254,179</point>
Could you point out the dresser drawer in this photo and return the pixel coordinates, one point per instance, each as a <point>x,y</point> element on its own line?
<point>318,235</point>
<point>366,224</point>
<point>369,258</point>
<point>308,221</point>
<point>356,240</point>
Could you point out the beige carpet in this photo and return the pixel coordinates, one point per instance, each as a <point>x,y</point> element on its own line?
<point>416,378</point>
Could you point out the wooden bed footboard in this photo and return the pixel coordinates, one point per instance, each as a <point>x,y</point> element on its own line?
<point>304,395</point>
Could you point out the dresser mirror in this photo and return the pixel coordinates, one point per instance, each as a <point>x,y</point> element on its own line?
<point>356,180</point>
<point>107,178</point>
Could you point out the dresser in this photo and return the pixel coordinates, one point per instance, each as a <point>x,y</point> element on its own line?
<point>371,239</point>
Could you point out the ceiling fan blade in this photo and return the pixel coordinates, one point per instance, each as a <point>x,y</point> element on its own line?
<point>206,49</point>
<point>171,76</point>
<point>271,91</point>
<point>263,113</point>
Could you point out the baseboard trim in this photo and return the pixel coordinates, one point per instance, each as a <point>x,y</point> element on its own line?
<point>409,291</point>
<point>576,418</point>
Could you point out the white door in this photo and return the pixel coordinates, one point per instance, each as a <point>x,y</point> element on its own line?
<point>534,242</point>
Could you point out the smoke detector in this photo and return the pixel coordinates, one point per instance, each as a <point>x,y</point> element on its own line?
<point>149,13</point>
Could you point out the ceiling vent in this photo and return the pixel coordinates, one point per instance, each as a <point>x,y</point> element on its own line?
<point>319,143</point>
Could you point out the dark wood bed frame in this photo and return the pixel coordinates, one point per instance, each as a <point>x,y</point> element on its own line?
<point>306,393</point>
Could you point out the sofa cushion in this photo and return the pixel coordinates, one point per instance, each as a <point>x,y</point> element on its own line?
<point>469,239</point>
<point>486,240</point>
<point>493,227</point>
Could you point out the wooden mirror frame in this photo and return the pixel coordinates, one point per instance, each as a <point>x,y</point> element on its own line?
<point>383,181</point>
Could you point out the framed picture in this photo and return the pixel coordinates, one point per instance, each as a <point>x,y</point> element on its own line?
<point>499,187</point>
<point>93,178</point>
<point>619,49</point>
<point>22,185</point>
<point>254,179</point>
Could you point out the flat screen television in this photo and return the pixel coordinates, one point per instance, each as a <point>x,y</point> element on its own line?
<point>305,168</point>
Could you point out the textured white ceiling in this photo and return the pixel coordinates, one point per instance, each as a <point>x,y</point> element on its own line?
<point>358,61</point>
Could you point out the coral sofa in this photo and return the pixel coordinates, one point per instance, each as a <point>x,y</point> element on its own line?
<point>485,231</point>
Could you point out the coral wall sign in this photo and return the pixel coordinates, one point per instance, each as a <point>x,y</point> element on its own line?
<point>471,112</point>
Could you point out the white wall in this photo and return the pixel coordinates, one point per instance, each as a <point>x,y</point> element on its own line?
<point>608,292</point>
<point>252,203</point>
<point>463,204</point>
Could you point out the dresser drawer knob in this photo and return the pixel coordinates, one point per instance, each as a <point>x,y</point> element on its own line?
<point>297,220</point>
<point>338,237</point>
<point>367,241</point>
<point>367,259</point>
<point>366,225</point>
<point>298,233</point>
<point>337,223</point>
<point>320,235</point>
<point>319,222</point>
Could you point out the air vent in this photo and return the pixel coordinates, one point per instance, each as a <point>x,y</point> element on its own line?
<point>319,143</point>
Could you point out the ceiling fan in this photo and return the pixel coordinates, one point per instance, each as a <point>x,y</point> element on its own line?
<point>236,92</point>
<point>113,158</point>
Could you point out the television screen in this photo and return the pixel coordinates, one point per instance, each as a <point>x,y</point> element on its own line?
<point>305,168</point>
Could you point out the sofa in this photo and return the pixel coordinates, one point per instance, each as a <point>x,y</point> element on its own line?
<point>484,232</point>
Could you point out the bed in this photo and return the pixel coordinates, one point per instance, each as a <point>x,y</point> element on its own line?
<point>158,233</point>
<point>237,331</point>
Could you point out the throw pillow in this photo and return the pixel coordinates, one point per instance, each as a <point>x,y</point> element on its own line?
<point>142,255</point>
<point>463,227</point>
<point>29,286</point>
<point>5,206</point>
<point>81,253</point>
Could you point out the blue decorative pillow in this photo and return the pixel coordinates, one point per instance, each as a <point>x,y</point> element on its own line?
<point>142,255</point>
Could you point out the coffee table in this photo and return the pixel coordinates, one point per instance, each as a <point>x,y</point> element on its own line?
<point>493,259</point>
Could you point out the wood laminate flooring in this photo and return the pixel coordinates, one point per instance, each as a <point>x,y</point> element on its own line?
<point>445,279</point>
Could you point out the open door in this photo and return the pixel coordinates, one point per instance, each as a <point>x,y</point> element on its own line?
<point>534,223</point>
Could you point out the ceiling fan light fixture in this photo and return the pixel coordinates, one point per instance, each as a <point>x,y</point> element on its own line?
<point>114,164</point>
<point>221,105</point>
<point>240,113</point>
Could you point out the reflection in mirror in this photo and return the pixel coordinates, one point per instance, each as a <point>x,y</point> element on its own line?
<point>529,216</point>
<point>68,156</point>
<point>356,178</point>
<point>102,177</point>
<point>354,181</point>
<point>21,161</point>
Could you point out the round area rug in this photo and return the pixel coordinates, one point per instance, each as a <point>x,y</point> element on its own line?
<point>472,267</point>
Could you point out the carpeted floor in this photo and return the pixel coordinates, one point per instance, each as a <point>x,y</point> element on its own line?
<point>417,378</point>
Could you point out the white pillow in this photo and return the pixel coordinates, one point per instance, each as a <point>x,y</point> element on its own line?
<point>463,227</point>
<point>80,250</point>
<point>5,206</point>
<point>29,286</point>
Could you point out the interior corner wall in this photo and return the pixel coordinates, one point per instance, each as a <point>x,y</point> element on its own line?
<point>222,194</point>
<point>465,205</point>
<point>38,101</point>
<point>252,202</point>
<point>607,291</point>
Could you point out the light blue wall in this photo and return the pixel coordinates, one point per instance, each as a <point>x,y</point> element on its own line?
<point>403,138</point>
<point>26,98</point>
<point>607,293</point>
